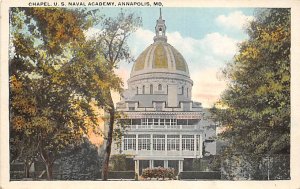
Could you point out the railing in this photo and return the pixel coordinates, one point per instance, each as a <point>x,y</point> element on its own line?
<point>163,153</point>
<point>177,127</point>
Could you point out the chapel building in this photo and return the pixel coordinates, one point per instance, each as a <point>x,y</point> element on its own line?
<point>164,127</point>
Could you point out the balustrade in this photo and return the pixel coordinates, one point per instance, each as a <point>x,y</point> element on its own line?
<point>181,127</point>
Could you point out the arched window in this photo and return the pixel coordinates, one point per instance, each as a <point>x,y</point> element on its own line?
<point>143,89</point>
<point>151,89</point>
<point>137,90</point>
<point>159,87</point>
<point>187,92</point>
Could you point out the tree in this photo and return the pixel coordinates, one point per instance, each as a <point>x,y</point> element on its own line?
<point>255,109</point>
<point>44,115</point>
<point>114,48</point>
<point>63,76</point>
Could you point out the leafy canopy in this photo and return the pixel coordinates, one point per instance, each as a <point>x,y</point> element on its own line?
<point>256,113</point>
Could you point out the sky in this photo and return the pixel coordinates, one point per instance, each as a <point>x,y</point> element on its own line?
<point>206,37</point>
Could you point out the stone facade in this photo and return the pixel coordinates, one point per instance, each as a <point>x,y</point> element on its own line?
<point>163,125</point>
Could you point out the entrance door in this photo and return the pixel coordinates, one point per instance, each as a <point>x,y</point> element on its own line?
<point>158,163</point>
<point>173,164</point>
<point>143,164</point>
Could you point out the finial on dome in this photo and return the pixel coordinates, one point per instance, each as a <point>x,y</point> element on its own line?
<point>160,29</point>
<point>160,17</point>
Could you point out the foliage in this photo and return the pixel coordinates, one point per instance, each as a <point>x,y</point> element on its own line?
<point>119,162</point>
<point>256,167</point>
<point>211,163</point>
<point>58,78</point>
<point>47,115</point>
<point>114,48</point>
<point>255,109</point>
<point>83,160</point>
<point>256,105</point>
<point>206,175</point>
<point>159,172</point>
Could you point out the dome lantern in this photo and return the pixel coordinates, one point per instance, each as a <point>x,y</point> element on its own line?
<point>160,29</point>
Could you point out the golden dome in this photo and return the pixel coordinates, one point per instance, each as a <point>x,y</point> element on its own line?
<point>160,57</point>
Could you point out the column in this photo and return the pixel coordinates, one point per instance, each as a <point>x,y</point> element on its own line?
<point>180,144</point>
<point>166,146</point>
<point>180,166</point>
<point>195,145</point>
<point>136,143</point>
<point>122,145</point>
<point>151,144</point>
<point>200,145</point>
<point>165,163</point>
<point>151,164</point>
<point>136,166</point>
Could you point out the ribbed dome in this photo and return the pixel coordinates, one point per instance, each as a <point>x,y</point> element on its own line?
<point>160,57</point>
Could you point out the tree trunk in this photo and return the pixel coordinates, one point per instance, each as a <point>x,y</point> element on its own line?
<point>49,169</point>
<point>26,171</point>
<point>27,164</point>
<point>108,143</point>
<point>48,160</point>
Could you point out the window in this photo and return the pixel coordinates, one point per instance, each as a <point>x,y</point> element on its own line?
<point>151,89</point>
<point>170,121</point>
<point>143,89</point>
<point>131,108</point>
<point>173,142</point>
<point>144,121</point>
<point>182,90</point>
<point>173,121</point>
<point>137,90</point>
<point>188,142</point>
<point>182,121</point>
<point>159,87</point>
<point>158,142</point>
<point>136,121</point>
<point>193,121</point>
<point>129,142</point>
<point>144,142</point>
<point>155,122</point>
<point>161,121</point>
<point>187,92</point>
<point>150,121</point>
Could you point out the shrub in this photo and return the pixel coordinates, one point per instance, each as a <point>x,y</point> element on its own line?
<point>159,172</point>
<point>120,162</point>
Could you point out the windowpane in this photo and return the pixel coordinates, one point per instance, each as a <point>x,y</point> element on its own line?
<point>168,122</point>
<point>161,122</point>
<point>144,121</point>
<point>158,142</point>
<point>136,121</point>
<point>188,142</point>
<point>129,142</point>
<point>143,142</point>
<point>150,121</point>
<point>155,121</point>
<point>159,87</point>
<point>173,142</point>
